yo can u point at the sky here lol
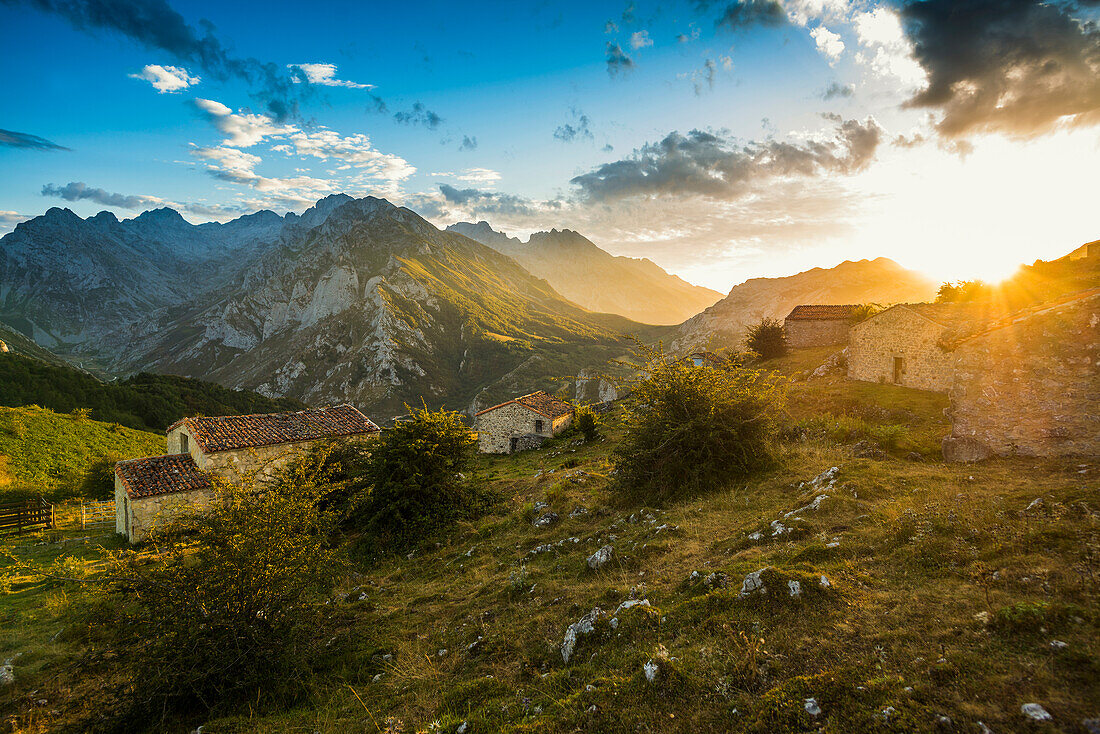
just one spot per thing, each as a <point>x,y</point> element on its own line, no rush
<point>723,140</point>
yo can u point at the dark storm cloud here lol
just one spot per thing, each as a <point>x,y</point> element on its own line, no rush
<point>1019,67</point>
<point>418,115</point>
<point>78,191</point>
<point>155,25</point>
<point>26,140</point>
<point>703,163</point>
<point>617,60</point>
<point>748,13</point>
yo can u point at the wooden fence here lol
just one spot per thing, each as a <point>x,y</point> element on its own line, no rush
<point>30,514</point>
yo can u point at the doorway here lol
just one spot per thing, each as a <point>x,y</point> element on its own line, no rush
<point>899,369</point>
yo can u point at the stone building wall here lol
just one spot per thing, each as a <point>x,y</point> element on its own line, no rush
<point>496,428</point>
<point>135,517</point>
<point>803,333</point>
<point>1032,387</point>
<point>263,462</point>
<point>898,332</point>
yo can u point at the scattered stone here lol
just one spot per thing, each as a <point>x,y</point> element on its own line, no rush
<point>546,519</point>
<point>1092,726</point>
<point>824,582</point>
<point>7,673</point>
<point>833,544</point>
<point>1036,504</point>
<point>442,652</point>
<point>824,480</point>
<point>579,511</point>
<point>794,588</point>
<point>716,580</point>
<point>1035,712</point>
<point>630,604</point>
<point>810,704</point>
<point>983,729</point>
<point>944,722</point>
<point>868,450</point>
<point>473,646</point>
<point>753,583</point>
<point>914,456</point>
<point>836,362</point>
<point>462,728</point>
<point>1058,645</point>
<point>600,557</point>
<point>586,625</point>
<point>376,678</point>
<point>650,669</point>
<point>540,506</point>
<point>756,536</point>
<point>982,617</point>
<point>779,528</point>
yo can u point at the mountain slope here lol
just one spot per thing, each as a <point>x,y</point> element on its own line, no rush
<point>636,288</point>
<point>377,306</point>
<point>864,281</point>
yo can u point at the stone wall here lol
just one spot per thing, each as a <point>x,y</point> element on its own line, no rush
<point>496,428</point>
<point>899,332</point>
<point>261,462</point>
<point>1033,387</point>
<point>135,517</point>
<point>803,333</point>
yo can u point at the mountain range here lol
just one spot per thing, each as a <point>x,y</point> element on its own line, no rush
<point>575,267</point>
<point>361,300</point>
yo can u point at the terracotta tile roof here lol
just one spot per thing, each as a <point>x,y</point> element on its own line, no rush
<point>541,402</point>
<point>155,475</point>
<point>815,312</point>
<point>228,432</point>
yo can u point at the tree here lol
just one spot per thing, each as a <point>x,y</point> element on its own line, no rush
<point>963,291</point>
<point>766,339</point>
<point>417,477</point>
<point>230,611</point>
<point>586,424</point>
<point>694,429</point>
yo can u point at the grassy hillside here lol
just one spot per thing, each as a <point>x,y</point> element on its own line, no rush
<point>42,451</point>
<point>145,401</point>
<point>930,597</point>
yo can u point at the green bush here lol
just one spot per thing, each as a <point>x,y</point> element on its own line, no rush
<point>766,339</point>
<point>693,429</point>
<point>586,425</point>
<point>416,476</point>
<point>230,612</point>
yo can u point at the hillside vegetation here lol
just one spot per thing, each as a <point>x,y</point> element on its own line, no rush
<point>145,401</point>
<point>858,585</point>
<point>42,452</point>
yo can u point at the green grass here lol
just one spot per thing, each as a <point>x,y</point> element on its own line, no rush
<point>46,452</point>
<point>945,594</point>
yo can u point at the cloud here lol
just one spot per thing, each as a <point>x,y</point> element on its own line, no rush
<point>9,219</point>
<point>747,13</point>
<point>419,115</point>
<point>640,39</point>
<point>1017,67</point>
<point>166,79</point>
<point>353,151</point>
<point>479,175</point>
<point>243,130</point>
<point>609,27</point>
<point>685,37</point>
<point>837,90</point>
<point>703,79</point>
<point>325,76</point>
<point>720,167</point>
<point>886,49</point>
<point>155,25</point>
<point>576,130</point>
<point>468,143</point>
<point>828,43</point>
<point>488,202</point>
<point>13,139</point>
<point>617,60</point>
<point>79,191</point>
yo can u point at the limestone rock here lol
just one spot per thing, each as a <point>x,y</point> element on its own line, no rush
<point>586,625</point>
<point>1035,712</point>
<point>600,558</point>
<point>546,519</point>
<point>753,583</point>
<point>964,449</point>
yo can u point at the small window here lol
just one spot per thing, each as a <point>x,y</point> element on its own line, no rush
<point>184,446</point>
<point>538,426</point>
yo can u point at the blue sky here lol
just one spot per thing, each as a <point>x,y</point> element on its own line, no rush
<point>580,115</point>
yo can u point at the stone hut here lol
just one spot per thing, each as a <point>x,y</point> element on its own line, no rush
<point>903,345</point>
<point>818,326</point>
<point>1029,384</point>
<point>233,447</point>
<point>521,423</point>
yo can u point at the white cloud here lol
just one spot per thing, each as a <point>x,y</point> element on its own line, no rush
<point>325,75</point>
<point>355,151</point>
<point>801,12</point>
<point>640,39</point>
<point>9,219</point>
<point>166,79</point>
<point>828,43</point>
<point>887,50</point>
<point>479,175</point>
<point>242,130</point>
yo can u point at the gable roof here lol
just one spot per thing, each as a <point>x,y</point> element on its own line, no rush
<point>229,432</point>
<point>541,402</point>
<point>816,312</point>
<point>155,475</point>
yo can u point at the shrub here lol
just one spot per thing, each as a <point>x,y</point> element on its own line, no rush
<point>230,611</point>
<point>586,425</point>
<point>98,481</point>
<point>766,339</point>
<point>416,475</point>
<point>691,429</point>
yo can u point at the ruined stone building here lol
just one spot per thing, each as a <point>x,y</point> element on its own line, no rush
<point>818,326</point>
<point>234,447</point>
<point>1028,384</point>
<point>903,345</point>
<point>521,423</point>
